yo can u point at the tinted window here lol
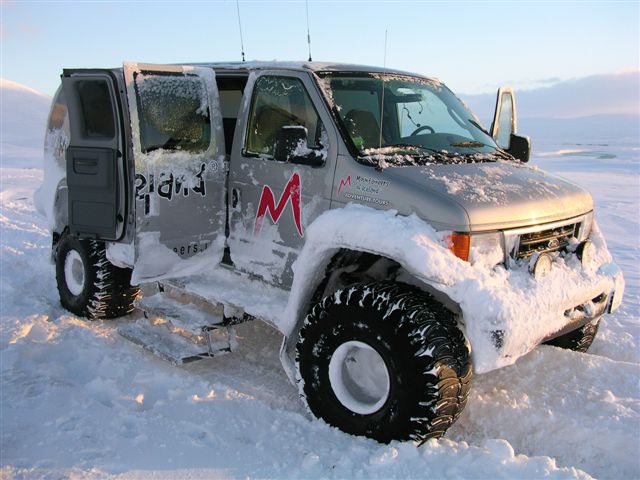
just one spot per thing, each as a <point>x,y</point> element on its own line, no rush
<point>97,110</point>
<point>173,112</point>
<point>280,102</point>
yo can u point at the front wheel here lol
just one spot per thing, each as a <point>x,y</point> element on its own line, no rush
<point>89,285</point>
<point>384,360</point>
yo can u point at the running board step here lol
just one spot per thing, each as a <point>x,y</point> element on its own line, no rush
<point>188,317</point>
<point>179,326</point>
<point>162,339</point>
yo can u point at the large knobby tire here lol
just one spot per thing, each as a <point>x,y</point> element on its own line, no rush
<point>384,360</point>
<point>89,285</point>
<point>578,340</point>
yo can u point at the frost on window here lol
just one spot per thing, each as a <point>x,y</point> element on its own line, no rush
<point>173,113</point>
<point>281,102</point>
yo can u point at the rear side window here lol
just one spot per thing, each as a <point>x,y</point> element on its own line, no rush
<point>279,102</point>
<point>97,110</point>
<point>173,111</point>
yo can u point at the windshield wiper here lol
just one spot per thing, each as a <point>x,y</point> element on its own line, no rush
<point>478,126</point>
<point>410,146</point>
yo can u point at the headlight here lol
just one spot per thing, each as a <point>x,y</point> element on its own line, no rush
<point>486,249</point>
<point>585,227</point>
<point>482,248</point>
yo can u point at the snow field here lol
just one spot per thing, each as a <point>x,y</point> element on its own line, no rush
<point>77,400</point>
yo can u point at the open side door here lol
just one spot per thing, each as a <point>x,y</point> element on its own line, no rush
<point>178,151</point>
<point>95,170</point>
<point>504,118</point>
<point>505,124</point>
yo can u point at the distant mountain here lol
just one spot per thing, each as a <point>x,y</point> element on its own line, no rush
<point>23,117</point>
<point>615,93</point>
<point>599,108</point>
<point>591,129</point>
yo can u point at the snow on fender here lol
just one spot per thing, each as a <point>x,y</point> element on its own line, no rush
<point>505,312</point>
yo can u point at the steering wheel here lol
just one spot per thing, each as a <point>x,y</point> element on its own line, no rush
<point>423,127</point>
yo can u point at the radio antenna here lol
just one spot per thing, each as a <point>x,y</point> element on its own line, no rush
<point>308,32</point>
<point>384,64</point>
<point>240,27</point>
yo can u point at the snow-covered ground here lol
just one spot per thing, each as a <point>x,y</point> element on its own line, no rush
<point>77,400</point>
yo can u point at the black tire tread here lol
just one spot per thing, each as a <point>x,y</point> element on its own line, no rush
<point>432,340</point>
<point>108,291</point>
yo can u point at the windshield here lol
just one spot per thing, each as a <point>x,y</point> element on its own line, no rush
<point>420,118</point>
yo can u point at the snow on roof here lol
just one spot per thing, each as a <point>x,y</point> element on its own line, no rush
<point>303,65</point>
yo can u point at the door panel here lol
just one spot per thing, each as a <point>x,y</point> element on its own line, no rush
<point>91,175</point>
<point>94,159</point>
<point>178,150</point>
<point>271,200</point>
<point>504,120</point>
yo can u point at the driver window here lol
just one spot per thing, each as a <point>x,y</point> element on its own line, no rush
<point>280,102</point>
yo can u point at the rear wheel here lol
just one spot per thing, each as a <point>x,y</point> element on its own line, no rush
<point>578,340</point>
<point>384,360</point>
<point>89,285</point>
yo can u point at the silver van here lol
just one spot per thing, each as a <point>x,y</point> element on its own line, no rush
<point>363,212</point>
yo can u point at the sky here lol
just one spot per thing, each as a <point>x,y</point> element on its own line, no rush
<point>472,46</point>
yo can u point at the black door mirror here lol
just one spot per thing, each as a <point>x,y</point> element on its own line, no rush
<point>505,126</point>
<point>291,146</point>
<point>520,147</point>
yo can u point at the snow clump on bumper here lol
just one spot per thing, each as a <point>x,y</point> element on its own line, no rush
<point>505,312</point>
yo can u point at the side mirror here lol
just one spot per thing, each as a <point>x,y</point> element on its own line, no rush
<point>504,123</point>
<point>291,146</point>
<point>520,147</point>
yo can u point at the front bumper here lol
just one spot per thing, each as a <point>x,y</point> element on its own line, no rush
<point>508,313</point>
<point>590,310</point>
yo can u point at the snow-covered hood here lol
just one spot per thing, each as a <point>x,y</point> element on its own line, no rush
<point>497,195</point>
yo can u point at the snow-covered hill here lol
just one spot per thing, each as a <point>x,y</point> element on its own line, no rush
<point>23,115</point>
<point>77,400</point>
<point>605,94</point>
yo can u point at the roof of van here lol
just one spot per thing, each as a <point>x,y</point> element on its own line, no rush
<point>312,66</point>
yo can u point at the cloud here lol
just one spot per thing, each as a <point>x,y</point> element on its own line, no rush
<point>612,93</point>
<point>29,30</point>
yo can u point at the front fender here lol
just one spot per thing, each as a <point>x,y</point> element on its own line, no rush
<point>505,313</point>
<point>411,242</point>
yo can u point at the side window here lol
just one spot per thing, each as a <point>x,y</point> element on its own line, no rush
<point>173,111</point>
<point>280,102</point>
<point>97,111</point>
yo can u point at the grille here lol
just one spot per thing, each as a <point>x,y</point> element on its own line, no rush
<point>549,240</point>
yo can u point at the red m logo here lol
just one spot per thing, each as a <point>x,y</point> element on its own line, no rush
<point>267,204</point>
<point>344,182</point>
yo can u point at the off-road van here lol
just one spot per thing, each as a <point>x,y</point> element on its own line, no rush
<point>364,212</point>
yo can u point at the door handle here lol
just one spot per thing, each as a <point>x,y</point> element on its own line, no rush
<point>235,198</point>
<point>85,165</point>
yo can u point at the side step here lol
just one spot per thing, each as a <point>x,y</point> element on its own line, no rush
<point>175,348</point>
<point>178,327</point>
